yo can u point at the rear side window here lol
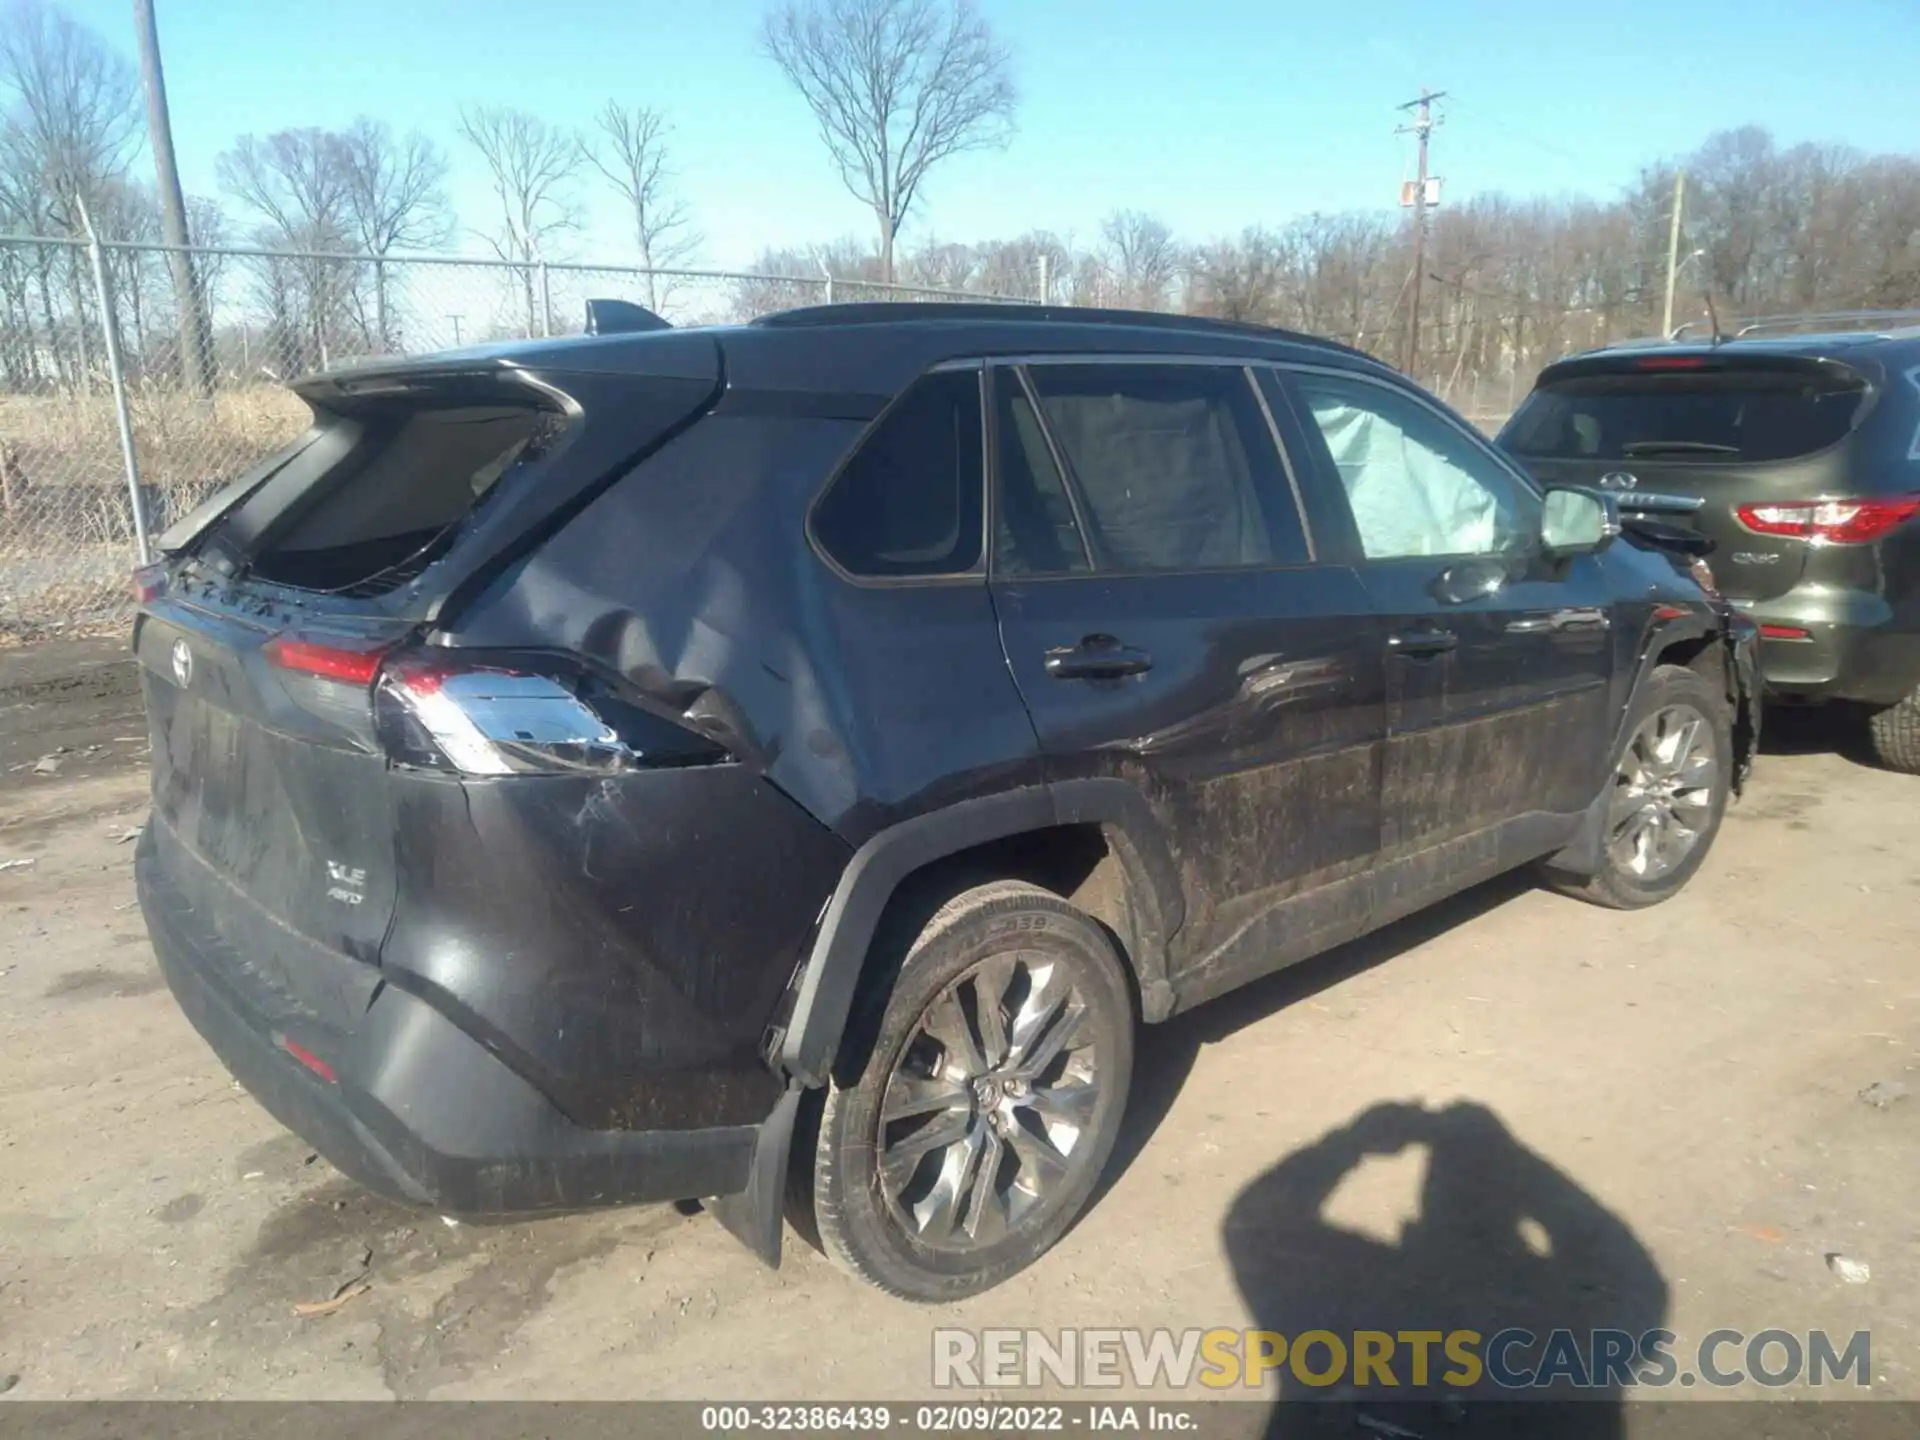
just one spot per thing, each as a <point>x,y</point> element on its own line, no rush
<point>1720,416</point>
<point>1173,465</point>
<point>1035,532</point>
<point>911,500</point>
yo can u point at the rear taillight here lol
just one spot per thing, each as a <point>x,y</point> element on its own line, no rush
<point>1830,522</point>
<point>149,583</point>
<point>479,719</point>
<point>1785,632</point>
<point>327,660</point>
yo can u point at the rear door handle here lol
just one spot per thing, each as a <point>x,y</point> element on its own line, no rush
<point>1419,644</point>
<point>1097,657</point>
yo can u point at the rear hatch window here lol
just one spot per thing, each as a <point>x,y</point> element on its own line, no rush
<point>1754,416</point>
<point>398,493</point>
<point>377,490</point>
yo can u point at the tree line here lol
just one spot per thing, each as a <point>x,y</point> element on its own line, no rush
<point>896,88</point>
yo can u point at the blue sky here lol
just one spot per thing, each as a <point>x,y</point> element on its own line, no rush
<point>1212,114</point>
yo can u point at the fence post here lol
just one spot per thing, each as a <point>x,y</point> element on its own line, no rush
<point>117,373</point>
<point>829,277</point>
<point>546,302</point>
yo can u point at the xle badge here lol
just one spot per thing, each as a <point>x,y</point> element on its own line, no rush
<point>347,885</point>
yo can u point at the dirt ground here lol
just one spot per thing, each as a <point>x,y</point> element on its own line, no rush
<point>1672,1096</point>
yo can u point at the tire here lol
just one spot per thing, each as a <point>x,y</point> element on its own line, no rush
<point>1895,732</point>
<point>912,1216</point>
<point>1637,869</point>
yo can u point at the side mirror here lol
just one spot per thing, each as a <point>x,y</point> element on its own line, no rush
<point>1578,522</point>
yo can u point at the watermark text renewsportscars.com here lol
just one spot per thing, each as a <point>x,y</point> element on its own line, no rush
<point>1388,1360</point>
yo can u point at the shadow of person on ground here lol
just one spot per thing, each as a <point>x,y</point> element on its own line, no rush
<point>1502,1240</point>
<point>1165,1053</point>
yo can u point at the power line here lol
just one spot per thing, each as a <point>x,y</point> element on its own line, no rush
<point>1474,112</point>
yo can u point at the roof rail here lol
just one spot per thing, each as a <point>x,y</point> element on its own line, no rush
<point>893,312</point>
<point>1851,322</point>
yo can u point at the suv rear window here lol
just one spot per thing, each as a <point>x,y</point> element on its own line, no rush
<point>1719,416</point>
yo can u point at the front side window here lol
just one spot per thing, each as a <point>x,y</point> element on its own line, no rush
<point>1416,484</point>
<point>1174,467</point>
<point>909,502</point>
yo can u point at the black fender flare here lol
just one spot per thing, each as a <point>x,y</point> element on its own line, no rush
<point>1581,855</point>
<point>829,976</point>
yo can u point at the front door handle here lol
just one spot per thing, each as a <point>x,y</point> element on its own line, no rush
<point>1097,657</point>
<point>1419,644</point>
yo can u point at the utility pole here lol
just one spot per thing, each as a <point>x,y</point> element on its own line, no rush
<point>1673,248</point>
<point>196,335</point>
<point>1422,127</point>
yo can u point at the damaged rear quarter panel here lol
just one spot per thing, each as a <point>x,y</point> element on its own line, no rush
<point>847,707</point>
<point>693,580</point>
<point>621,940</point>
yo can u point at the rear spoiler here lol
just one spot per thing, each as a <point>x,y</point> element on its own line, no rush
<point>1674,360</point>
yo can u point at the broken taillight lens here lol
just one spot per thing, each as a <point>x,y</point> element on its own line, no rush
<point>489,719</point>
<point>1830,522</point>
<point>149,582</point>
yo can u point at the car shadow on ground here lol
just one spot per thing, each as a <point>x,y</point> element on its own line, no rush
<point>1165,1053</point>
<point>1503,1238</point>
<point>1817,730</point>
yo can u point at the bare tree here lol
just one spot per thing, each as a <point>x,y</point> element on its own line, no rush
<point>896,86</point>
<point>395,200</point>
<point>533,165</point>
<point>73,126</point>
<point>296,182</point>
<point>1142,258</point>
<point>75,105</point>
<point>631,151</point>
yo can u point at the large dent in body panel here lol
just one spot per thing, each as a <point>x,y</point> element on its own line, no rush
<point>682,580</point>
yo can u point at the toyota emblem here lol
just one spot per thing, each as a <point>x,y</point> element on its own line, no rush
<point>1618,480</point>
<point>182,664</point>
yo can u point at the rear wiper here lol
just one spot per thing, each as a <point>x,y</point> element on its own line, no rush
<point>1678,447</point>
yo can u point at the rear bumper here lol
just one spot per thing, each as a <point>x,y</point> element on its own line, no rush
<point>1858,648</point>
<point>418,1110</point>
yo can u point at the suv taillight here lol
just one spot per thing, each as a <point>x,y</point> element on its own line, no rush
<point>1830,522</point>
<point>473,718</point>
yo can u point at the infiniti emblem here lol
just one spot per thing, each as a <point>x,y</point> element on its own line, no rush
<point>182,663</point>
<point>1618,480</point>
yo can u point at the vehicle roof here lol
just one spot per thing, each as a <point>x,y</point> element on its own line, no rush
<point>1896,341</point>
<point>873,348</point>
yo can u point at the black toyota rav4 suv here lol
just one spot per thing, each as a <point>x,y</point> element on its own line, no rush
<point>1800,436</point>
<point>581,767</point>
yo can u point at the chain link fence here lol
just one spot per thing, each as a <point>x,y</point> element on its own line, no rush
<point>138,370</point>
<point>106,375</point>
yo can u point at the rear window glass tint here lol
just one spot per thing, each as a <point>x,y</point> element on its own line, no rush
<point>910,501</point>
<point>1034,529</point>
<point>1175,467</point>
<point>1719,417</point>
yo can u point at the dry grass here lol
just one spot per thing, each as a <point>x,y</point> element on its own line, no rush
<point>66,521</point>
